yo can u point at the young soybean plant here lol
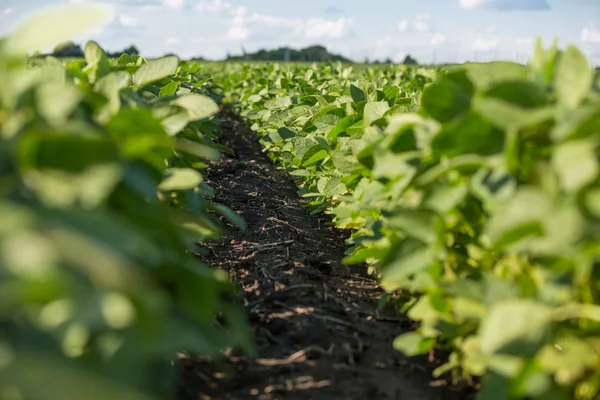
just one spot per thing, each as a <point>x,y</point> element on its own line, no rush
<point>101,201</point>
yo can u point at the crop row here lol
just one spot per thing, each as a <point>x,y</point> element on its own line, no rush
<point>102,204</point>
<point>472,192</point>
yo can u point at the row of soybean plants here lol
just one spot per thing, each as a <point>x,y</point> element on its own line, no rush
<point>473,192</point>
<point>102,204</point>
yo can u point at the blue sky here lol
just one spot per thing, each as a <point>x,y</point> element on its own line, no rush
<point>430,30</point>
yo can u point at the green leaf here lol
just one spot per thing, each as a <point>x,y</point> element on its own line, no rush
<point>56,25</point>
<point>509,116</point>
<point>198,106</point>
<point>110,86</point>
<point>471,135</point>
<point>445,100</point>
<point>412,344</point>
<point>576,164</point>
<point>487,75</point>
<point>582,122</point>
<point>169,89</point>
<point>357,94</point>
<point>155,70</point>
<point>533,222</point>
<point>407,258</point>
<point>424,225</point>
<point>311,158</point>
<point>334,187</point>
<point>97,60</point>
<point>544,61</point>
<point>374,110</point>
<point>65,152</point>
<point>573,79</point>
<point>175,123</point>
<point>180,179</point>
<point>342,124</point>
<point>516,327</point>
<point>199,150</point>
<point>286,133</point>
<point>57,109</point>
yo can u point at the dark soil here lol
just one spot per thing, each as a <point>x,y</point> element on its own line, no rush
<point>318,331</point>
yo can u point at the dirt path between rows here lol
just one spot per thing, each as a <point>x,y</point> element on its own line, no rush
<point>318,331</point>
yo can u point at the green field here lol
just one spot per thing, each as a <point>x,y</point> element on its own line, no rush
<point>471,193</point>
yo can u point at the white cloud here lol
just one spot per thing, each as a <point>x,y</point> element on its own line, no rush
<point>176,4</point>
<point>5,11</point>
<point>126,20</point>
<point>172,40</point>
<point>438,38</point>
<point>482,44</point>
<point>505,5</point>
<point>419,23</point>
<point>237,33</point>
<point>243,25</point>
<point>590,35</point>
<point>221,6</point>
<point>316,28</point>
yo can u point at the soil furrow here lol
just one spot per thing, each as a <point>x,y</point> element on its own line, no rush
<point>318,330</point>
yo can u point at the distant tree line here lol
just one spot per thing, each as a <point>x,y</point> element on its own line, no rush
<point>73,50</point>
<point>308,54</point>
<point>408,60</point>
<point>315,53</point>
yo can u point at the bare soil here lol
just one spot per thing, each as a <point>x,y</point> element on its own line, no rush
<point>318,330</point>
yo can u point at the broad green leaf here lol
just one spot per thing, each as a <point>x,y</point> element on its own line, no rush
<point>110,86</point>
<point>342,124</point>
<point>155,70</point>
<point>334,187</point>
<point>445,100</point>
<point>582,122</point>
<point>531,221</point>
<point>180,179</point>
<point>412,344</point>
<point>65,152</point>
<point>424,225</point>
<point>169,89</point>
<point>357,94</point>
<point>375,110</point>
<point>286,133</point>
<point>544,61</point>
<point>407,258</point>
<point>97,61</point>
<point>517,327</point>
<point>57,109</point>
<point>486,75</point>
<point>313,156</point>
<point>471,135</point>
<point>576,164</point>
<point>199,150</point>
<point>56,25</point>
<point>509,116</point>
<point>198,106</point>
<point>573,78</point>
<point>175,123</point>
<point>326,123</point>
